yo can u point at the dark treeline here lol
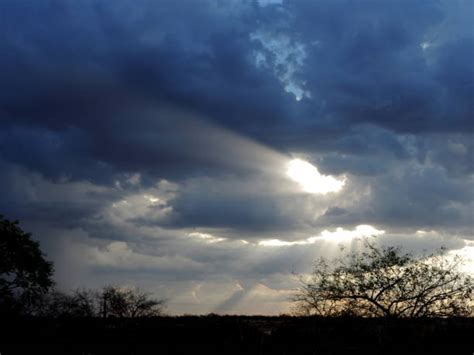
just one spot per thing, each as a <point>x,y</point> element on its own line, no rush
<point>27,286</point>
<point>341,316</point>
<point>236,335</point>
<point>110,301</point>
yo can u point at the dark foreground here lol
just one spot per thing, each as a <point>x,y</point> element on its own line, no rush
<point>236,335</point>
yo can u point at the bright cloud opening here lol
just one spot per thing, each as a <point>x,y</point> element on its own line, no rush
<point>343,235</point>
<point>425,45</point>
<point>340,235</point>
<point>467,255</point>
<point>308,176</point>
<point>208,238</point>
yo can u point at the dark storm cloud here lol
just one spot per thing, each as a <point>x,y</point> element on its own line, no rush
<point>369,64</point>
<point>94,65</point>
<point>78,74</point>
<point>403,199</point>
<point>245,213</point>
<point>30,197</point>
<point>455,153</point>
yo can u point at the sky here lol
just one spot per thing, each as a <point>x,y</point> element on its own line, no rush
<point>209,151</point>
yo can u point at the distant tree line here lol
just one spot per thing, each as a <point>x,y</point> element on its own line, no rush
<point>378,282</point>
<point>110,301</point>
<point>27,287</point>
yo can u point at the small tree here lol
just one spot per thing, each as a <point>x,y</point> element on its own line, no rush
<point>383,282</point>
<point>25,275</point>
<point>128,303</point>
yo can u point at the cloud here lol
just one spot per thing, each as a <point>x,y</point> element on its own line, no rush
<point>119,256</point>
<point>311,180</point>
<point>148,142</point>
<point>337,236</point>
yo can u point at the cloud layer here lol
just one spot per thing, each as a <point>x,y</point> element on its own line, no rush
<point>148,142</point>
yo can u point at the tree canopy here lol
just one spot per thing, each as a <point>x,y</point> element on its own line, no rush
<point>25,274</point>
<point>108,302</point>
<point>384,282</point>
<point>128,303</point>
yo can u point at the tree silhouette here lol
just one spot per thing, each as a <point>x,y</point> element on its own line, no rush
<point>383,282</point>
<point>108,302</point>
<point>25,275</point>
<point>79,304</point>
<point>128,303</point>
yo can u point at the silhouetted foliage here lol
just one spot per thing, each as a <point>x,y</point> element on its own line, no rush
<point>383,282</point>
<point>80,304</point>
<point>25,274</point>
<point>128,303</point>
<point>108,302</point>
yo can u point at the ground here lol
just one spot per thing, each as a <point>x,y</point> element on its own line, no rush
<point>238,335</point>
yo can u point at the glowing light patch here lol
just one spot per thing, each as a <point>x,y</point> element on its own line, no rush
<point>152,199</point>
<point>308,176</point>
<point>209,238</point>
<point>279,243</point>
<point>342,235</point>
<point>425,45</point>
<point>338,236</point>
<point>467,254</point>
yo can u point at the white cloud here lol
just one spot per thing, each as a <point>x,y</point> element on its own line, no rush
<point>288,59</point>
<point>425,45</point>
<point>308,176</point>
<point>467,255</point>
<point>208,238</point>
<point>337,236</point>
<point>151,204</point>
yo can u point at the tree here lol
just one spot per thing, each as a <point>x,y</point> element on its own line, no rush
<point>25,274</point>
<point>109,302</point>
<point>79,304</point>
<point>128,303</point>
<point>383,282</point>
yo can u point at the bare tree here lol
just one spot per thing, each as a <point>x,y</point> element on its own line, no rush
<point>79,304</point>
<point>383,282</point>
<point>128,303</point>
